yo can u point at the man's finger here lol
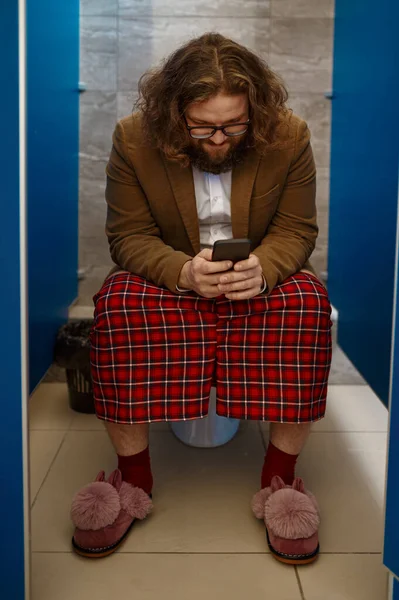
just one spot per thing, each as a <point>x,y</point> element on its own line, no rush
<point>245,295</point>
<point>249,263</point>
<point>233,277</point>
<point>213,267</point>
<point>205,253</point>
<point>245,284</point>
<point>217,266</point>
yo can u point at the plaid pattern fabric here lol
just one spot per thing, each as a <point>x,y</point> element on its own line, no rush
<point>155,354</point>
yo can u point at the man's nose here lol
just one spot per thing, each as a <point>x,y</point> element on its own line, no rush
<point>219,137</point>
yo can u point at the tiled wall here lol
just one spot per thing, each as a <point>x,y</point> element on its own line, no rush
<point>119,40</point>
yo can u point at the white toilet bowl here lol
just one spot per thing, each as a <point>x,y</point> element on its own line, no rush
<point>207,432</point>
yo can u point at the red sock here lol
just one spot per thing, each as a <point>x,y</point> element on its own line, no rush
<point>279,463</point>
<point>136,469</point>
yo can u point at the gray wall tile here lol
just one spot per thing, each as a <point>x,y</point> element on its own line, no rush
<point>316,111</point>
<point>301,51</point>
<point>90,285</point>
<point>302,8</point>
<point>98,119</point>
<point>211,8</point>
<point>98,7</point>
<point>125,103</point>
<point>323,186</point>
<point>92,168</point>
<point>94,250</point>
<point>92,207</point>
<point>145,42</point>
<point>320,254</point>
<point>98,52</point>
<point>300,46</point>
<point>319,257</point>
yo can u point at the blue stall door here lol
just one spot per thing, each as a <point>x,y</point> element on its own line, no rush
<point>53,145</point>
<point>364,183</point>
<point>14,503</point>
<point>391,553</point>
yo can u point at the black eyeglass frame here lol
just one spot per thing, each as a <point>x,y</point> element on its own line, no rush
<point>216,128</point>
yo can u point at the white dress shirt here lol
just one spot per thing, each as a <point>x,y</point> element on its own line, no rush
<point>212,195</point>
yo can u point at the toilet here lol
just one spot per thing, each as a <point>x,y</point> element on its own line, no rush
<point>208,432</point>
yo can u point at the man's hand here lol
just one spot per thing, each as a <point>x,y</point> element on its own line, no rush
<point>202,275</point>
<point>244,282</point>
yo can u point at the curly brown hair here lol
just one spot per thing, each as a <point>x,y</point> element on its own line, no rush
<point>197,71</point>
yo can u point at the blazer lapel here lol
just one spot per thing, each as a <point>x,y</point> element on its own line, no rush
<point>243,179</point>
<point>182,182</point>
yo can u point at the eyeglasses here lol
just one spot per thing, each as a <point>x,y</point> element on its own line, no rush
<point>203,132</point>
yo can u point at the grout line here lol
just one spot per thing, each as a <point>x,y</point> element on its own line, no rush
<point>299,584</point>
<point>71,427</point>
<point>351,553</point>
<point>335,431</point>
<point>144,17</point>
<point>349,431</point>
<point>266,553</point>
<point>117,59</point>
<point>49,429</point>
<point>48,471</point>
<point>262,437</point>
<point>358,384</point>
<point>269,46</point>
<point>74,428</point>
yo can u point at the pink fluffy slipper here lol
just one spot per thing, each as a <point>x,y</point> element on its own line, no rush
<point>292,520</point>
<point>104,512</point>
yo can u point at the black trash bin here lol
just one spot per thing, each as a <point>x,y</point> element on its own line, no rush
<point>72,351</point>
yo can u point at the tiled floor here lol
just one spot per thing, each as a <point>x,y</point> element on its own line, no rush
<point>202,540</point>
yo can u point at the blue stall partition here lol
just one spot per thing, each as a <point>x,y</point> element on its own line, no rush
<point>53,146</point>
<point>14,498</point>
<point>391,553</point>
<point>364,183</point>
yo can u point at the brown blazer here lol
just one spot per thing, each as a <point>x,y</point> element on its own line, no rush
<point>152,223</point>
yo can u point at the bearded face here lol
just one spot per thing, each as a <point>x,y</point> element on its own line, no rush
<point>219,153</point>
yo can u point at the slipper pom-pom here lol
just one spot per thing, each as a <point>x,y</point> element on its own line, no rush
<point>291,515</point>
<point>259,501</point>
<point>95,506</point>
<point>135,501</point>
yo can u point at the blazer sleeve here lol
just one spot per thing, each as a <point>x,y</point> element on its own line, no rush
<point>133,235</point>
<point>291,236</point>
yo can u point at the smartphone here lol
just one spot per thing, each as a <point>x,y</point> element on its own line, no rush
<point>234,249</point>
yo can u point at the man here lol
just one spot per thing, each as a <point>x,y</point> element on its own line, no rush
<point>210,153</point>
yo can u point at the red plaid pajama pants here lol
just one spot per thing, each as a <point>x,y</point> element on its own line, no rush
<point>155,354</point>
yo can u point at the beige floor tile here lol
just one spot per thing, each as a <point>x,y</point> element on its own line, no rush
<point>49,408</point>
<point>43,446</point>
<point>353,408</point>
<point>368,453</point>
<point>82,456</point>
<point>350,408</point>
<point>352,521</point>
<point>170,577</point>
<point>346,472</point>
<point>342,369</point>
<point>83,422</point>
<point>81,312</point>
<point>345,577</point>
<point>202,496</point>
